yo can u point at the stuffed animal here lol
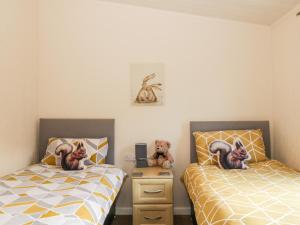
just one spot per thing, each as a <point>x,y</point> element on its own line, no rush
<point>162,156</point>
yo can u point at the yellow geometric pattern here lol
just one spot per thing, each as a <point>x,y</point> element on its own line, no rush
<point>251,139</point>
<point>45,195</point>
<point>96,150</point>
<point>267,193</point>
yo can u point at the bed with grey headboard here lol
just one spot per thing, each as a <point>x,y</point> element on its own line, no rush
<point>79,128</point>
<point>226,125</point>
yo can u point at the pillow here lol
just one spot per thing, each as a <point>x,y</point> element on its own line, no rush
<point>87,151</point>
<point>230,156</point>
<point>251,139</point>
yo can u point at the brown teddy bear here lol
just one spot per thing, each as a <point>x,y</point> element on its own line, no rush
<point>161,157</point>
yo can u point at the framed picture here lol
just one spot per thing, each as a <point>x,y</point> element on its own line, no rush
<point>147,83</point>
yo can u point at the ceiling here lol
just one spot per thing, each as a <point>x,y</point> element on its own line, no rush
<point>254,11</point>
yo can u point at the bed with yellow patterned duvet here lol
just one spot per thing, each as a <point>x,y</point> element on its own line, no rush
<point>266,193</point>
<point>49,195</point>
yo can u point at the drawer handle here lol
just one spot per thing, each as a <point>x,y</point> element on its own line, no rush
<point>153,192</point>
<point>153,218</point>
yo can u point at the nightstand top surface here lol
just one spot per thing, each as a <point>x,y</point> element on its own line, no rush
<point>151,173</point>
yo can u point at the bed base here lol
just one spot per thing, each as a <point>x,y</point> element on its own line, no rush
<point>111,215</point>
<point>193,214</point>
<point>112,212</point>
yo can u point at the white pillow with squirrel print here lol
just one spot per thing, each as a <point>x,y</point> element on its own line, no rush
<point>75,153</point>
<point>230,156</point>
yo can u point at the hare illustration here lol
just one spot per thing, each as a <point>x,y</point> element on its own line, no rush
<point>147,94</point>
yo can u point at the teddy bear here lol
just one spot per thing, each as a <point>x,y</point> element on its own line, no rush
<point>162,156</point>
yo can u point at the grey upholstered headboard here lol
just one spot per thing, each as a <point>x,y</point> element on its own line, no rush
<point>77,128</point>
<point>228,125</point>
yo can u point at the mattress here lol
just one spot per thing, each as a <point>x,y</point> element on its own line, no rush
<point>43,194</point>
<point>267,193</point>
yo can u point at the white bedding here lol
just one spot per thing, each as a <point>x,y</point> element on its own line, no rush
<point>48,195</point>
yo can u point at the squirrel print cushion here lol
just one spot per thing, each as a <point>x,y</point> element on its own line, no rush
<point>252,141</point>
<point>230,156</point>
<point>74,153</point>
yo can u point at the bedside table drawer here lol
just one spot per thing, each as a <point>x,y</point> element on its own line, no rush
<point>152,191</point>
<point>152,214</point>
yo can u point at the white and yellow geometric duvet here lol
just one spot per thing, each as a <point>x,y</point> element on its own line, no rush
<point>41,195</point>
<point>267,193</point>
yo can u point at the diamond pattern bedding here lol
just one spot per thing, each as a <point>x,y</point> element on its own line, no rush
<point>43,195</point>
<point>266,193</point>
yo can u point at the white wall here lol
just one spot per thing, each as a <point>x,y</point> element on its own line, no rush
<point>18,80</point>
<point>286,95</point>
<point>215,70</point>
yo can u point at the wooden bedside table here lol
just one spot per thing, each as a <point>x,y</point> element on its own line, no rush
<point>152,196</point>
